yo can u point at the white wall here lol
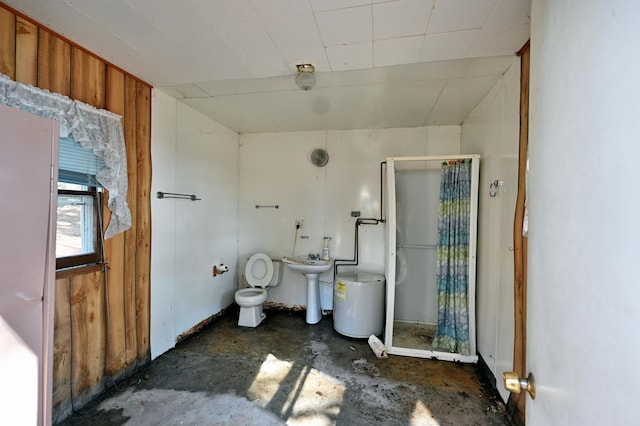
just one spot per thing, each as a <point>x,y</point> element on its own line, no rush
<point>583,291</point>
<point>163,217</point>
<point>275,169</point>
<point>492,130</point>
<point>191,154</point>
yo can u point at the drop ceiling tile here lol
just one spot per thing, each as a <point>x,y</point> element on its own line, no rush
<point>184,91</point>
<point>263,112</point>
<point>202,43</point>
<point>297,106</point>
<point>509,13</point>
<point>352,77</point>
<point>400,18</point>
<point>294,33</point>
<point>499,41</point>
<point>28,5</point>
<point>265,65</point>
<point>456,15</point>
<point>98,13</point>
<point>343,102</point>
<point>316,56</point>
<point>407,105</point>
<point>150,69</point>
<point>215,88</point>
<point>404,50</point>
<point>458,99</point>
<point>345,26</point>
<point>80,29</point>
<point>486,66</point>
<point>169,17</point>
<point>218,88</point>
<point>281,8</point>
<point>117,15</point>
<point>209,68</point>
<point>224,12</point>
<point>226,113</point>
<point>324,5</point>
<point>125,24</point>
<point>350,56</point>
<point>250,42</point>
<point>245,38</point>
<point>449,69</point>
<point>443,46</point>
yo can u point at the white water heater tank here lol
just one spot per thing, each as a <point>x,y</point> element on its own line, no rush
<point>358,304</point>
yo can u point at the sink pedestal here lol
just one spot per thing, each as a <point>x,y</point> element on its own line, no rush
<point>311,268</point>
<point>314,314</point>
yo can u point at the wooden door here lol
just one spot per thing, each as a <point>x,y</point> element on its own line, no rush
<point>517,401</point>
<point>28,175</point>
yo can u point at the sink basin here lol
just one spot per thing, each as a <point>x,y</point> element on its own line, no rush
<point>308,266</point>
<point>311,268</point>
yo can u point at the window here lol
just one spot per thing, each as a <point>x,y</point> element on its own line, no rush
<point>77,238</point>
<point>79,224</point>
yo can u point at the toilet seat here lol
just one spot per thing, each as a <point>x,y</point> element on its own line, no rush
<point>251,296</point>
<point>263,281</point>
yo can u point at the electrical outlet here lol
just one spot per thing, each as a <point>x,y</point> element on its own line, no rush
<point>299,223</point>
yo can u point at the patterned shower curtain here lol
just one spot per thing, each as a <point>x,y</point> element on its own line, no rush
<point>452,270</point>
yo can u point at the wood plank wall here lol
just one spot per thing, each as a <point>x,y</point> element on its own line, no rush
<point>101,317</point>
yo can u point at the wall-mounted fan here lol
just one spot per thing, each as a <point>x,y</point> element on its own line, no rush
<point>319,157</point>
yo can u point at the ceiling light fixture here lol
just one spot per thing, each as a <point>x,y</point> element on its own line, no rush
<point>306,78</point>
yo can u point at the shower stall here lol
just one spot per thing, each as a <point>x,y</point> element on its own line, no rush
<point>415,302</point>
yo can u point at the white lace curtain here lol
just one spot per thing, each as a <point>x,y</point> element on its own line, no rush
<point>98,130</point>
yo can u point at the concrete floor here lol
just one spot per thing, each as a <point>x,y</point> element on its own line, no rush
<point>288,372</point>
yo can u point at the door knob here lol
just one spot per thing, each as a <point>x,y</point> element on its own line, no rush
<point>513,383</point>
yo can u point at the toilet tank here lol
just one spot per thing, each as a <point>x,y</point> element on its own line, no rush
<point>277,273</point>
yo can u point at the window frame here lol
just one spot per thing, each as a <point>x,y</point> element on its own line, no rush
<point>95,257</point>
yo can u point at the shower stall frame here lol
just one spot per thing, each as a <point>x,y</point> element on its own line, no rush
<point>391,261</point>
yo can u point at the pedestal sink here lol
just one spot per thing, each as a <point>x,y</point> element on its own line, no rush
<point>311,268</point>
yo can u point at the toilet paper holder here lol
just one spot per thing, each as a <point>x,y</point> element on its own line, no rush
<point>219,269</point>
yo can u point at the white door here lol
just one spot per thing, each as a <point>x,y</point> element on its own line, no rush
<point>583,329</point>
<point>28,153</point>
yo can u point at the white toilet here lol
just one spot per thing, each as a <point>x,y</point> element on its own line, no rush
<point>261,272</point>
